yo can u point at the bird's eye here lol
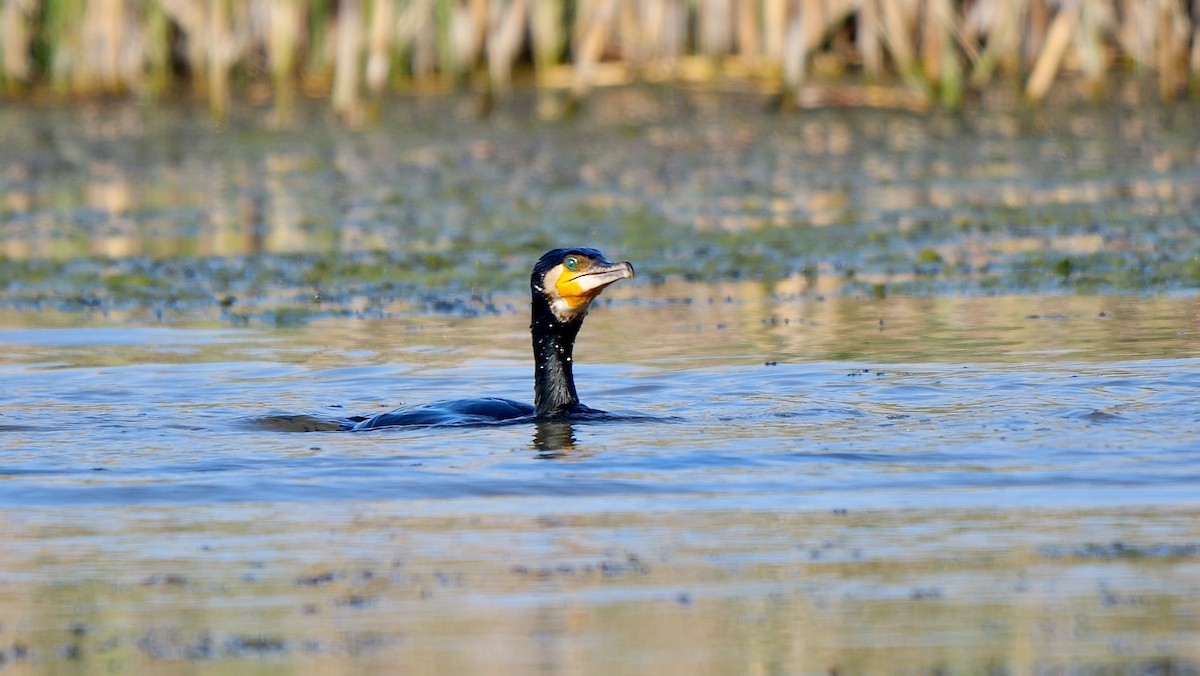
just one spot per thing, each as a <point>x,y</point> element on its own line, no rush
<point>571,263</point>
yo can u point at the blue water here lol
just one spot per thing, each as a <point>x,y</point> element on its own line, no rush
<point>926,484</point>
<point>178,424</point>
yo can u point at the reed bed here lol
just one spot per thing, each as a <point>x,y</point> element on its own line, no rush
<point>892,52</point>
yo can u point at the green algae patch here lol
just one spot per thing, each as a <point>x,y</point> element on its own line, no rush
<point>141,286</point>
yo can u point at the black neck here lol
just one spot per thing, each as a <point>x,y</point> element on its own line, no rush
<point>553,348</point>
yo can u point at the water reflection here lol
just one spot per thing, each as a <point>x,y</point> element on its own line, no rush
<point>154,183</point>
<point>373,587</point>
<point>904,459</point>
<point>917,482</point>
<point>554,438</point>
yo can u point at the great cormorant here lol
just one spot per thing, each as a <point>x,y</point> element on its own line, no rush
<point>562,287</point>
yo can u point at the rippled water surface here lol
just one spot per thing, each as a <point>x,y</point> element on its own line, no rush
<point>929,405</point>
<point>849,483</point>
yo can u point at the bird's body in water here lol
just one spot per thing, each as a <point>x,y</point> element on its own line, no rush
<point>562,287</point>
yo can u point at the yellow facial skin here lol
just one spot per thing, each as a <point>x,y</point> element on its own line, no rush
<point>570,291</point>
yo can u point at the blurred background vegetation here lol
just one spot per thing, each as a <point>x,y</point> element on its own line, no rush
<point>889,53</point>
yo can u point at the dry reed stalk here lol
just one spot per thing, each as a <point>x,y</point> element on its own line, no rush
<point>85,46</point>
<point>546,33</point>
<point>595,24</point>
<point>16,36</point>
<point>424,29</point>
<point>157,57</point>
<point>467,26</point>
<point>88,54</point>
<point>62,20</point>
<point>749,32</point>
<point>1058,38</point>
<point>220,57</point>
<point>804,33</point>
<point>675,32</point>
<point>1172,47</point>
<point>714,27</point>
<point>775,26</point>
<point>190,17</point>
<point>318,47</point>
<point>1035,30</point>
<point>380,39</point>
<point>415,29</point>
<point>898,37</point>
<point>941,60</point>
<point>1195,60</point>
<point>478,10</point>
<point>1131,32</point>
<point>137,58</point>
<point>506,24</point>
<point>84,76</point>
<point>103,37</point>
<point>660,36</point>
<point>868,38</point>
<point>932,41</point>
<point>347,50</point>
<point>283,34</point>
<point>792,58</point>
<point>998,24</point>
<point>816,18</point>
<point>628,38</point>
<point>1095,20</point>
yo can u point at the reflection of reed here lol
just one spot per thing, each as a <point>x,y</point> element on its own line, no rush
<point>936,47</point>
<point>566,590</point>
<point>732,181</point>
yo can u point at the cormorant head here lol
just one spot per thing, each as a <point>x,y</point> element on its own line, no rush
<point>569,279</point>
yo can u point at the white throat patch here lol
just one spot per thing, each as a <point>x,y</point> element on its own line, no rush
<point>564,309</point>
